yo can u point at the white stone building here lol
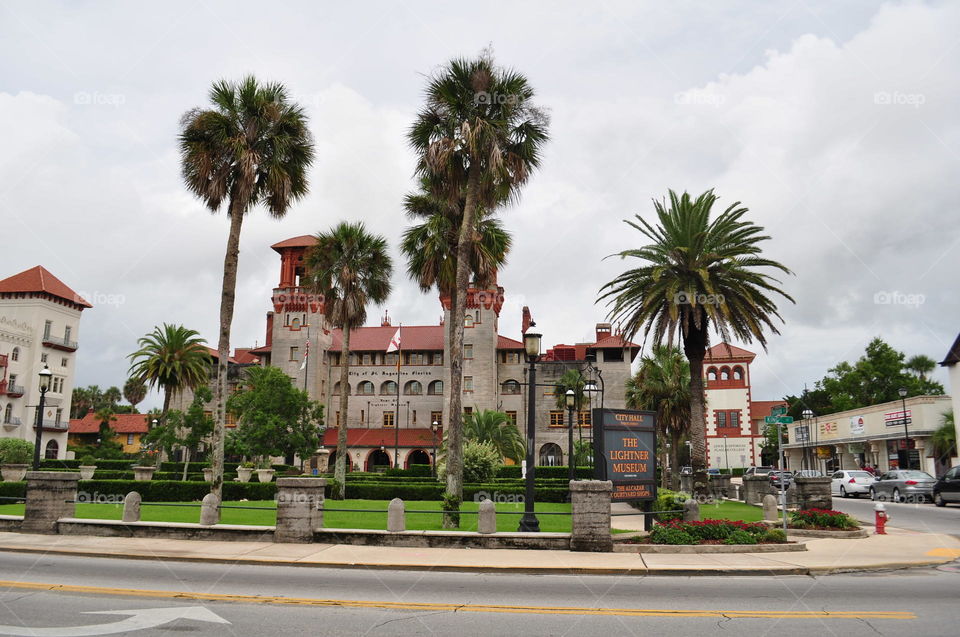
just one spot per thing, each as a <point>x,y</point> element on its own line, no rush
<point>39,326</point>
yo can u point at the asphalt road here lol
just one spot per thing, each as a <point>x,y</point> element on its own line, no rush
<point>269,600</point>
<point>917,517</point>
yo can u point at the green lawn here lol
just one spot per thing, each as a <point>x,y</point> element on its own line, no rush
<point>728,510</point>
<point>332,518</point>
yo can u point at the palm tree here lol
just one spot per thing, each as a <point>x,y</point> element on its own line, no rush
<point>172,357</point>
<point>478,138</point>
<point>134,390</point>
<point>697,274</point>
<point>921,365</point>
<point>112,395</point>
<point>662,384</point>
<point>496,428</point>
<point>351,268</point>
<point>253,147</point>
<point>944,439</point>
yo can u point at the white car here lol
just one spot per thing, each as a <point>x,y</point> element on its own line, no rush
<point>844,483</point>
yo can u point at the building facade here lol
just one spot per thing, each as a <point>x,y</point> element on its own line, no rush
<point>128,429</point>
<point>39,327</point>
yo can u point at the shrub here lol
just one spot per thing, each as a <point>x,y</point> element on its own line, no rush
<point>558,473</point>
<point>739,536</point>
<point>15,451</point>
<point>671,535</point>
<point>775,535</point>
<point>717,529</point>
<point>87,461</point>
<point>480,461</point>
<point>822,518</point>
<point>668,500</point>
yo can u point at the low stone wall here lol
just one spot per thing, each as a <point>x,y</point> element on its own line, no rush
<point>813,493</point>
<point>444,539</point>
<point>707,549</point>
<point>754,488</point>
<point>166,530</point>
<point>10,523</point>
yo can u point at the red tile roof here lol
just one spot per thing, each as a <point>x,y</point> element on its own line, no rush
<point>761,408</point>
<point>359,437</point>
<point>122,424</point>
<point>613,341</point>
<point>245,356</point>
<point>39,279</point>
<point>508,343</point>
<point>725,351</point>
<point>376,339</point>
<point>303,241</point>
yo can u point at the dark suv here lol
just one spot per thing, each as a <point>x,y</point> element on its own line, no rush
<point>947,488</point>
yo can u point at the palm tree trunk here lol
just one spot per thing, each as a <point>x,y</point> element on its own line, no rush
<point>457,315</point>
<point>343,455</point>
<point>675,459</point>
<point>698,423</point>
<point>238,205</point>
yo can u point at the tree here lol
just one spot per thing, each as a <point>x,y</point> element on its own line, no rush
<point>253,147</point>
<point>662,384</point>
<point>351,268</point>
<point>477,138</point>
<point>274,417</point>
<point>112,396</point>
<point>134,390</point>
<point>172,357</point>
<point>193,426</point>
<point>495,428</point>
<point>697,275</point>
<point>107,446</point>
<point>921,365</point>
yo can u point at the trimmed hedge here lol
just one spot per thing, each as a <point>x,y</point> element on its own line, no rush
<point>513,471</point>
<point>12,490</point>
<point>176,491</point>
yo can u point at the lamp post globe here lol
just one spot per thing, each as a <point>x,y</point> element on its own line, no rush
<point>45,375</point>
<point>531,346</point>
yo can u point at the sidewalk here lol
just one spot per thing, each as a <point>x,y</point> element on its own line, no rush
<point>899,549</point>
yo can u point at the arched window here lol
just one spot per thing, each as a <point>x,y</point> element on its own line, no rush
<point>724,373</point>
<point>15,354</point>
<point>435,388</point>
<point>8,413</point>
<point>53,448</point>
<point>413,388</point>
<point>388,388</point>
<point>712,373</point>
<point>550,455</point>
<point>365,388</point>
<point>510,387</point>
<point>336,389</point>
<point>295,324</point>
<point>737,373</point>
<point>468,321</point>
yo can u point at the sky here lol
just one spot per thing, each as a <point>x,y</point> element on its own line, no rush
<point>834,123</point>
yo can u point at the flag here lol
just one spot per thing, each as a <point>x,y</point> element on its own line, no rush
<point>306,353</point>
<point>394,342</point>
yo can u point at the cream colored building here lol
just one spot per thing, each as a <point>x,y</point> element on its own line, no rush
<point>873,436</point>
<point>952,363</point>
<point>39,326</point>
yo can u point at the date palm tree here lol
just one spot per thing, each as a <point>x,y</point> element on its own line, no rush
<point>662,384</point>
<point>134,390</point>
<point>698,274</point>
<point>253,147</point>
<point>478,137</point>
<point>495,427</point>
<point>172,357</point>
<point>351,268</point>
<point>921,365</point>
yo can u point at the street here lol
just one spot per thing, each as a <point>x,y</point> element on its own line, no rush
<point>225,599</point>
<point>916,517</point>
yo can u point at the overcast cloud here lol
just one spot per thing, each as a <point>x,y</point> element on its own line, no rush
<point>835,123</point>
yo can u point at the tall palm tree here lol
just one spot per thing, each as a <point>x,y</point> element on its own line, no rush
<point>944,439</point>
<point>253,147</point>
<point>351,268</point>
<point>921,365</point>
<point>112,395</point>
<point>662,384</point>
<point>478,138</point>
<point>134,390</point>
<point>172,357</point>
<point>697,274</point>
<point>496,428</point>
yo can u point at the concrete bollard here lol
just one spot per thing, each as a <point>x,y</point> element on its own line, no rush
<point>210,510</point>
<point>691,511</point>
<point>487,517</point>
<point>51,495</point>
<point>770,507</point>
<point>131,507</point>
<point>396,516</point>
<point>299,508</point>
<point>590,524</point>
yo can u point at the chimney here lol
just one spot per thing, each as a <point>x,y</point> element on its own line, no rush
<point>527,319</point>
<point>269,341</point>
<point>603,331</point>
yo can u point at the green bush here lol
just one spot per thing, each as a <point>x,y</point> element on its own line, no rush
<point>559,473</point>
<point>715,530</point>
<point>740,537</point>
<point>668,500</point>
<point>480,461</point>
<point>15,451</point>
<point>775,535</point>
<point>175,491</point>
<point>671,535</point>
<point>12,490</point>
<point>822,519</point>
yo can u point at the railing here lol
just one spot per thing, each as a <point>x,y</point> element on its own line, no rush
<point>60,343</point>
<point>52,424</point>
<point>14,391</point>
<point>13,421</point>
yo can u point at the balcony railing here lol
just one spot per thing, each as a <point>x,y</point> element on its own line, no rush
<point>12,421</point>
<point>3,360</point>
<point>60,343</point>
<point>53,425</point>
<point>14,391</point>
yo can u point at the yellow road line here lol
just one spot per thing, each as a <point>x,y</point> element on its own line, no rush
<point>462,608</point>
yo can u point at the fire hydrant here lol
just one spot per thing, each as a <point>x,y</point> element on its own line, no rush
<point>880,518</point>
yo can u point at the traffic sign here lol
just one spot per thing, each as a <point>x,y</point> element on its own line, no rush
<point>783,420</point>
<point>786,420</point>
<point>770,420</point>
<point>778,410</point>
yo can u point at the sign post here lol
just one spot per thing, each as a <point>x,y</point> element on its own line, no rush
<point>626,449</point>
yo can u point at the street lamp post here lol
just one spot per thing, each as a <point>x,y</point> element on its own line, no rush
<point>906,429</point>
<point>726,454</point>
<point>571,398</point>
<point>807,415</point>
<point>531,345</point>
<point>45,375</point>
<point>434,427</point>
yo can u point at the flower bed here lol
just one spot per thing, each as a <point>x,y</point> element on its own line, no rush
<point>713,532</point>
<point>822,520</point>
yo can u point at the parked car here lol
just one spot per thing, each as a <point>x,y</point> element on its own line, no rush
<point>808,473</point>
<point>713,472</point>
<point>686,471</point>
<point>903,484</point>
<point>757,471</point>
<point>844,483</point>
<point>947,488</point>
<point>776,476</point>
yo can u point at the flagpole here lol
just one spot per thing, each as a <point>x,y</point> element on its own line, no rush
<point>396,413</point>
